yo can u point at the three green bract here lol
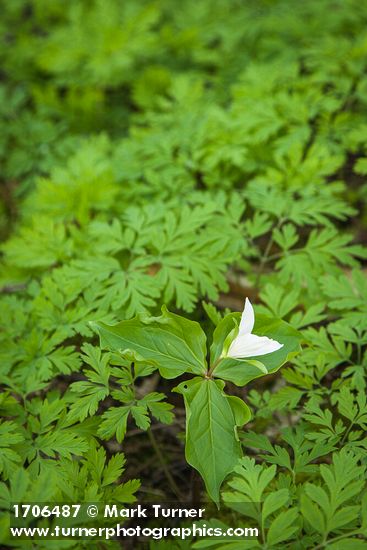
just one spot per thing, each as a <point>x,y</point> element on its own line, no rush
<point>177,346</point>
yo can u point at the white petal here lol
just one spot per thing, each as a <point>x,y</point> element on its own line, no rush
<point>247,319</point>
<point>250,345</point>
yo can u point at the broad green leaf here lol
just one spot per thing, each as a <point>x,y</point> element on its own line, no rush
<point>241,412</point>
<point>212,446</point>
<point>242,371</point>
<point>174,344</point>
<point>223,328</point>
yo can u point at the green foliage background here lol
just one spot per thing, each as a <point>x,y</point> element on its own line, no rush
<point>174,152</point>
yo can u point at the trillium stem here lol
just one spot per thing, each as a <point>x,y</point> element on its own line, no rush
<point>209,374</point>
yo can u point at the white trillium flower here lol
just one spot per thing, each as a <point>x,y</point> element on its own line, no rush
<point>247,344</point>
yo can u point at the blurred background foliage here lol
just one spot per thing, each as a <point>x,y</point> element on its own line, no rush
<point>249,85</point>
